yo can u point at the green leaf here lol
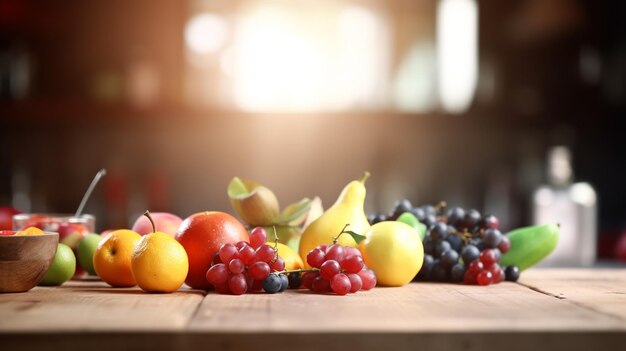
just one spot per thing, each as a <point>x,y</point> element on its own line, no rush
<point>357,237</point>
<point>294,212</point>
<point>237,188</point>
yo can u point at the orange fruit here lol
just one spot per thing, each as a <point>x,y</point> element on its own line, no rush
<point>202,234</point>
<point>159,263</point>
<point>30,231</point>
<point>112,259</point>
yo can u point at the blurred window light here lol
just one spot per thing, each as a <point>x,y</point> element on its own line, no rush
<point>205,33</point>
<point>457,53</point>
<point>296,61</point>
<point>414,86</point>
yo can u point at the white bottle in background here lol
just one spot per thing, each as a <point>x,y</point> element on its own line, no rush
<point>573,206</point>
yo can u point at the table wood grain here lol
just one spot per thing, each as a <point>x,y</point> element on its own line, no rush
<point>549,309</point>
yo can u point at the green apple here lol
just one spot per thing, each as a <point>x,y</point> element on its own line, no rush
<point>85,251</point>
<point>62,268</point>
<point>410,219</point>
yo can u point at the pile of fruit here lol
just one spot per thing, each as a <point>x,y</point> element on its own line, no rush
<point>337,251</point>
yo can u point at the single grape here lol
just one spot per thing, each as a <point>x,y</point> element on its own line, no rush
<point>475,266</point>
<point>228,252</point>
<point>456,216</point>
<point>439,273</point>
<point>277,265</point>
<point>429,210</point>
<point>295,280</point>
<point>320,285</point>
<point>484,278</point>
<point>449,258</point>
<point>265,253</point>
<point>307,279</point>
<point>380,217</point>
<point>329,268</point>
<point>419,213</point>
<point>400,207</point>
<point>236,266</point>
<point>315,258</point>
<point>489,222</point>
<point>272,283</point>
<point>429,245</point>
<point>469,253</point>
<point>216,258</point>
<point>222,288</point>
<point>335,252</point>
<point>258,237</point>
<point>478,242</point>
<point>438,231</point>
<point>441,247</point>
<point>471,219</point>
<point>511,273</point>
<point>259,270</point>
<point>257,285</point>
<point>355,282</point>
<point>217,274</point>
<point>284,282</point>
<point>457,273</point>
<point>505,244</point>
<point>247,255</point>
<point>429,220</point>
<point>488,257</point>
<point>496,271</point>
<point>241,244</point>
<point>427,266</point>
<point>237,284</point>
<point>352,264</point>
<point>368,277</point>
<point>351,251</point>
<point>492,238</point>
<point>469,277</point>
<point>340,284</point>
<point>456,243</point>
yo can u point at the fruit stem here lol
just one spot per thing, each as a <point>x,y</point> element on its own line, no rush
<point>275,244</point>
<point>364,177</point>
<point>301,270</point>
<point>441,205</point>
<point>147,214</point>
<point>335,239</point>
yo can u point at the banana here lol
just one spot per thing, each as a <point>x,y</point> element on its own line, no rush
<point>530,245</point>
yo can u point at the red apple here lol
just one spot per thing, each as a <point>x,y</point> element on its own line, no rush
<point>7,232</point>
<point>164,222</point>
<point>202,234</point>
<point>6,217</point>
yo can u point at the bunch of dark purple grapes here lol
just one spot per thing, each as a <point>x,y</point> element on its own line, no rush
<point>460,245</point>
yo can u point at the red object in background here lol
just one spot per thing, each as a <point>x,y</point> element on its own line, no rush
<point>620,248</point>
<point>6,217</point>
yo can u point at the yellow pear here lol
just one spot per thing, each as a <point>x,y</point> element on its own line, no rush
<point>348,209</point>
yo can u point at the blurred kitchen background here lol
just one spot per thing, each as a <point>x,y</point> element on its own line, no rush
<point>456,100</point>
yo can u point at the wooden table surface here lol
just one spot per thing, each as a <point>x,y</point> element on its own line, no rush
<point>549,309</point>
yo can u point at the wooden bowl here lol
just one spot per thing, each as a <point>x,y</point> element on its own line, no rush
<point>25,260</point>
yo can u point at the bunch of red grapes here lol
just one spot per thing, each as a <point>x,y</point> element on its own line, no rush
<point>247,267</point>
<point>341,270</point>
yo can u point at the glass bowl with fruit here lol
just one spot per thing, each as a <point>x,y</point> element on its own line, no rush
<point>25,257</point>
<point>72,229</point>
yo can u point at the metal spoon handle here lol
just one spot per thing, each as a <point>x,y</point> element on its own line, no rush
<point>95,181</point>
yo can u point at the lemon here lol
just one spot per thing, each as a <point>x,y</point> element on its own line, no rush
<point>291,258</point>
<point>159,263</point>
<point>394,251</point>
